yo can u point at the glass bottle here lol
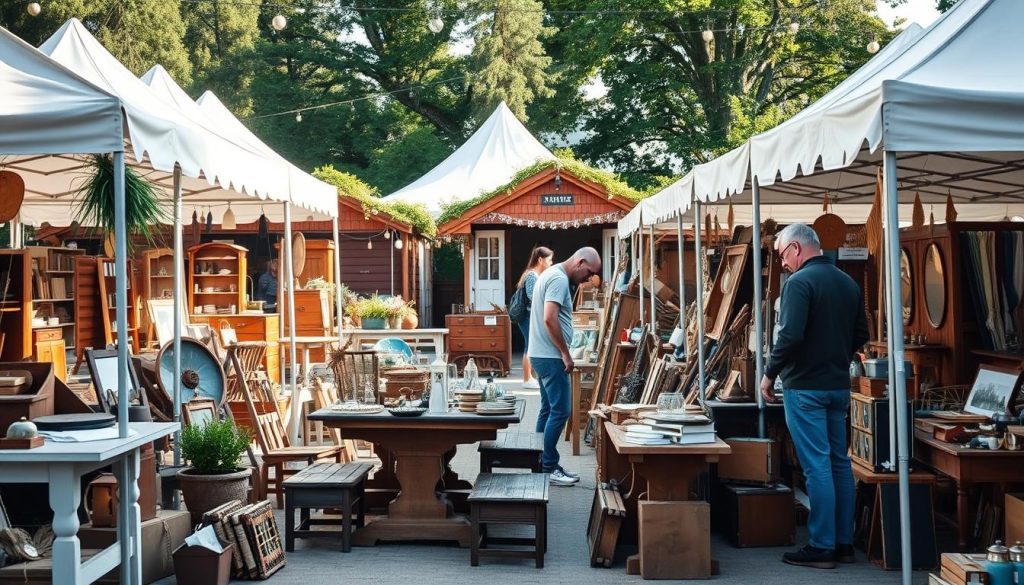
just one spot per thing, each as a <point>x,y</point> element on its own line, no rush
<point>470,374</point>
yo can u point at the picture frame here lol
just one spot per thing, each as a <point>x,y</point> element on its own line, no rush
<point>994,390</point>
<point>728,281</point>
<point>161,315</point>
<point>103,371</point>
<point>199,411</point>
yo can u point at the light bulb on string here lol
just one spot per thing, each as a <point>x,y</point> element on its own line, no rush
<point>387,234</point>
<point>398,244</point>
<point>435,24</point>
<point>873,47</point>
<point>279,22</point>
<point>794,27</point>
<point>369,244</point>
<point>34,9</point>
<point>298,116</point>
<point>708,35</point>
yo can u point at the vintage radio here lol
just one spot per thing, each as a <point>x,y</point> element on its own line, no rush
<point>869,431</point>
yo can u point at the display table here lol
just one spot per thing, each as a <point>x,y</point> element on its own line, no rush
<point>669,471</point>
<point>61,466</point>
<point>418,446</point>
<point>967,467</point>
<point>306,343</point>
<point>416,338</point>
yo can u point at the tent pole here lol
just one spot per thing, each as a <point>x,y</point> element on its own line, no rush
<point>289,287</point>
<point>755,204</point>
<point>680,236</point>
<point>699,310</point>
<point>391,254</point>
<point>338,301</point>
<point>654,306</point>
<point>640,269</point>
<point>179,266</point>
<point>898,381</point>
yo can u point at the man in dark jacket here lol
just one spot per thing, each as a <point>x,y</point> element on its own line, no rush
<point>821,324</point>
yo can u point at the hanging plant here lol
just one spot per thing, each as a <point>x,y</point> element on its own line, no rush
<point>143,207</point>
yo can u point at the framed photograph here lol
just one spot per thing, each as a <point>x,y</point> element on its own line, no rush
<point>166,293</point>
<point>103,370</point>
<point>993,391</point>
<point>199,411</point>
<point>161,315</point>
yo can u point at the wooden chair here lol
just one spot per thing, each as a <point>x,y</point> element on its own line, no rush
<point>354,371</point>
<point>277,450</point>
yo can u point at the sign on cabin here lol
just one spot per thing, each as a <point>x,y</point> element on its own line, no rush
<point>558,200</point>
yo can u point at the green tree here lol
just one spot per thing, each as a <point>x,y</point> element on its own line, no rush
<point>674,100</point>
<point>509,60</point>
<point>216,34</point>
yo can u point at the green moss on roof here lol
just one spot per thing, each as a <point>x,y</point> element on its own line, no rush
<point>567,162</point>
<point>368,197</point>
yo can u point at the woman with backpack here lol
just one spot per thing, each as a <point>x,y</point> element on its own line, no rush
<point>540,260</point>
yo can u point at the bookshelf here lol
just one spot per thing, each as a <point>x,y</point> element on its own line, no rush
<point>216,279</point>
<point>15,306</point>
<point>88,333</point>
<point>53,289</point>
<point>105,272</point>
<point>157,283</point>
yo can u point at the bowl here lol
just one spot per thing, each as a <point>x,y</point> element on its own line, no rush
<point>407,411</point>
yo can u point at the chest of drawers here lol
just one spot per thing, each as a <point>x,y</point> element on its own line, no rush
<point>480,334</point>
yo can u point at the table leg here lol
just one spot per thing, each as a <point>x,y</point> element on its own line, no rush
<point>65,498</point>
<point>130,536</point>
<point>669,482</point>
<point>963,513</point>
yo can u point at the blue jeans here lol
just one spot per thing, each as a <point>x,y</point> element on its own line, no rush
<point>524,327</point>
<point>554,406</point>
<point>817,424</point>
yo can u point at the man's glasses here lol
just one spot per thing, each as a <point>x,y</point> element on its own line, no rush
<point>782,254</point>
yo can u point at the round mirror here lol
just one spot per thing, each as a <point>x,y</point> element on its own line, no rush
<point>934,286</point>
<point>906,286</point>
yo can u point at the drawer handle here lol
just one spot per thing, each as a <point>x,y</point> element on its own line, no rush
<point>240,324</point>
<point>460,344</point>
<point>493,344</point>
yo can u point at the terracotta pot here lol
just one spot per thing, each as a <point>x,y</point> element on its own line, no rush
<point>410,321</point>
<point>203,493</point>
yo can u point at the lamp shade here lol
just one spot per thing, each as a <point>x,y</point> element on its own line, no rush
<point>228,221</point>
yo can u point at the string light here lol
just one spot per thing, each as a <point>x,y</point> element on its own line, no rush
<point>298,116</point>
<point>34,9</point>
<point>398,244</point>
<point>873,47</point>
<point>369,244</point>
<point>794,27</point>
<point>435,24</point>
<point>708,35</point>
<point>279,22</point>
<point>387,235</point>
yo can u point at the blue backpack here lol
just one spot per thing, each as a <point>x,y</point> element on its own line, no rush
<point>519,305</point>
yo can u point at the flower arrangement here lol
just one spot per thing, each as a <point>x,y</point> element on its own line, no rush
<point>318,283</point>
<point>372,307</point>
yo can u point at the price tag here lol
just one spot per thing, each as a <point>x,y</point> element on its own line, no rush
<point>490,320</point>
<point>853,253</point>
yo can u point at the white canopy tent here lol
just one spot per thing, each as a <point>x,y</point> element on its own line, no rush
<point>499,149</point>
<point>49,111</point>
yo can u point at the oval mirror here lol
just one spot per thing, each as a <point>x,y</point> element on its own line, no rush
<point>906,286</point>
<point>934,285</point>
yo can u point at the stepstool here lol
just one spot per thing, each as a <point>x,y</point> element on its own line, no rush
<point>509,498</point>
<point>325,485</point>
<point>512,450</point>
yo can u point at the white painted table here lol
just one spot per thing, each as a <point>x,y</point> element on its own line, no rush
<point>417,338</point>
<point>62,465</point>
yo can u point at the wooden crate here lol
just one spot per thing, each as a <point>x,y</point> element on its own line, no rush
<point>675,540</point>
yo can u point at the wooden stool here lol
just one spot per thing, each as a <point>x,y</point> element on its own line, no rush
<point>509,498</point>
<point>325,485</point>
<point>512,450</point>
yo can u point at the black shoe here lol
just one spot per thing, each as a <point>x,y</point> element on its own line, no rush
<point>844,554</point>
<point>808,556</point>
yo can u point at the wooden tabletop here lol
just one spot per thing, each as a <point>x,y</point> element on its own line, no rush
<point>865,475</point>
<point>958,450</point>
<point>450,420</point>
<point>395,332</point>
<point>309,339</point>
<point>618,438</point>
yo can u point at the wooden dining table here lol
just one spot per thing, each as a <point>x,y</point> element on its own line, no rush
<point>420,447</point>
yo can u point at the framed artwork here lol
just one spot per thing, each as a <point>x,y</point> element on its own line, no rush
<point>161,315</point>
<point>199,411</point>
<point>103,370</point>
<point>722,296</point>
<point>993,391</point>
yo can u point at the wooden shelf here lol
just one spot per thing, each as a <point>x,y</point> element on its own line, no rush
<point>228,274</point>
<point>68,324</point>
<point>205,258</point>
<point>68,300</point>
<point>221,292</point>
<point>229,257</point>
<point>60,271</point>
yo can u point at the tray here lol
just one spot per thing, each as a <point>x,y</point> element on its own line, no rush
<point>407,411</point>
<point>74,422</point>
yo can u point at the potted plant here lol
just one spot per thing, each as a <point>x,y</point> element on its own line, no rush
<point>397,309</point>
<point>410,319</point>
<point>214,478</point>
<point>373,312</point>
<point>143,210</point>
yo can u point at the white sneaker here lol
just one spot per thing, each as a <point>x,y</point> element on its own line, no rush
<point>568,473</point>
<point>556,477</point>
<point>533,384</point>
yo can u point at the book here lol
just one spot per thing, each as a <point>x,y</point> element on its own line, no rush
<point>678,429</point>
<point>694,439</point>
<point>644,435</point>
<point>679,419</point>
<point>648,441</point>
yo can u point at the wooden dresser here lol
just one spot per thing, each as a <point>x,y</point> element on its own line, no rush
<point>313,317</point>
<point>252,327</point>
<point>49,347</point>
<point>480,334</point>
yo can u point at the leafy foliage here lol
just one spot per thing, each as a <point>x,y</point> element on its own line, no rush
<point>351,186</point>
<point>144,207</point>
<point>215,446</point>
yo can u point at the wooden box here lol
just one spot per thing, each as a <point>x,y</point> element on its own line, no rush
<point>606,516</point>
<point>873,387</point>
<point>164,533</point>
<point>675,540</point>
<point>759,516</point>
<point>961,569</point>
<point>752,461</point>
<point>1014,510</point>
<point>201,566</point>
<point>869,433</point>
<point>36,401</point>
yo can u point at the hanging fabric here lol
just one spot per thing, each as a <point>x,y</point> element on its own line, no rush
<point>917,219</point>
<point>730,218</point>
<point>950,209</point>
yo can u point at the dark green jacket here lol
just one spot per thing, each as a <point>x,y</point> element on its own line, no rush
<point>821,324</point>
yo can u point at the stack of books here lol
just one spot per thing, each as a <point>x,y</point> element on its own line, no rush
<point>667,429</point>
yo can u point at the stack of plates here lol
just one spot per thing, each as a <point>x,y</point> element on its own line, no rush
<point>495,408</point>
<point>209,308</point>
<point>468,399</point>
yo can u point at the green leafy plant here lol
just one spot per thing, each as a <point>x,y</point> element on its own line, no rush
<point>143,209</point>
<point>368,197</point>
<point>372,307</point>
<point>214,447</point>
<point>318,283</point>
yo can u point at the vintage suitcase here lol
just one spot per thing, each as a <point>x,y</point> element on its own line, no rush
<point>869,432</point>
<point>752,461</point>
<point>606,516</point>
<point>759,516</point>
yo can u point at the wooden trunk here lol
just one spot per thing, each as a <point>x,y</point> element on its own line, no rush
<point>758,516</point>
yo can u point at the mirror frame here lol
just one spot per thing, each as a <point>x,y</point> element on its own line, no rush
<point>945,293</point>
<point>909,306</point>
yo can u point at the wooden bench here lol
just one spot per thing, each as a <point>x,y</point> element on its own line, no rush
<point>512,451</point>
<point>509,498</point>
<point>325,485</point>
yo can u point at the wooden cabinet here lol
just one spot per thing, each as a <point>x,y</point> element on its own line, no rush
<point>216,279</point>
<point>252,327</point>
<point>15,306</point>
<point>106,273</point>
<point>49,347</point>
<point>53,287</point>
<point>319,261</point>
<point>313,317</point>
<point>157,283</point>
<point>480,334</point>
